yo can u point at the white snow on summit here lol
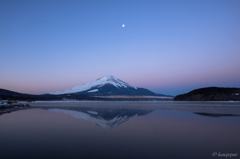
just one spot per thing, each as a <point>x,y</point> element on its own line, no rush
<point>94,90</point>
<point>97,83</point>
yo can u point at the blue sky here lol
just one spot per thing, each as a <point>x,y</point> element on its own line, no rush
<point>169,47</point>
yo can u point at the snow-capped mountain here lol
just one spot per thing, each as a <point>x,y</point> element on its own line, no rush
<point>107,85</point>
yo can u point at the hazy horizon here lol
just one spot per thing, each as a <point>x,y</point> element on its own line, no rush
<point>169,47</point>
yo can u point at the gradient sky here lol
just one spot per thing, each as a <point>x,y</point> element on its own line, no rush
<point>166,46</point>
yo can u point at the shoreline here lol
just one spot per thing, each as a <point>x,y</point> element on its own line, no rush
<point>195,107</point>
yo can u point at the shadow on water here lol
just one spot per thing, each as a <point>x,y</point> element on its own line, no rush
<point>9,110</point>
<point>217,115</point>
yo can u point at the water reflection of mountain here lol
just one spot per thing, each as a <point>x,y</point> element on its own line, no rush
<point>103,117</point>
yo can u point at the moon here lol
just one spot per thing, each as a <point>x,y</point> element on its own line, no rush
<point>123,25</point>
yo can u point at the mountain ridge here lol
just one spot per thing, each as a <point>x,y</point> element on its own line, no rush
<point>11,95</point>
<point>107,86</point>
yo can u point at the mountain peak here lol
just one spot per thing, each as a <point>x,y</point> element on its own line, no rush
<point>108,78</point>
<point>95,85</point>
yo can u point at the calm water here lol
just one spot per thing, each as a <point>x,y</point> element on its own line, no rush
<point>78,132</point>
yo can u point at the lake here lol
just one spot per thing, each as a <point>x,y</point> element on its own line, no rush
<point>149,130</point>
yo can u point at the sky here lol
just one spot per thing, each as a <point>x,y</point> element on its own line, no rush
<point>167,46</point>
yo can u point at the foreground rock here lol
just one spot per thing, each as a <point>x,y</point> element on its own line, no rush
<point>211,94</point>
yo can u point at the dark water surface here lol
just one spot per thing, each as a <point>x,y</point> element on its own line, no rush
<point>116,133</point>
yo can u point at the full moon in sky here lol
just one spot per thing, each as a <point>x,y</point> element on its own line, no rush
<point>123,25</point>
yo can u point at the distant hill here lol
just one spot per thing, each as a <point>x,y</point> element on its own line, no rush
<point>211,94</point>
<point>11,95</point>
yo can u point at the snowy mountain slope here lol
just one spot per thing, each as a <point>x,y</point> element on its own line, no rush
<point>106,86</point>
<point>92,86</point>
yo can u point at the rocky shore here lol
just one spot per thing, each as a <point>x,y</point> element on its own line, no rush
<point>4,105</point>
